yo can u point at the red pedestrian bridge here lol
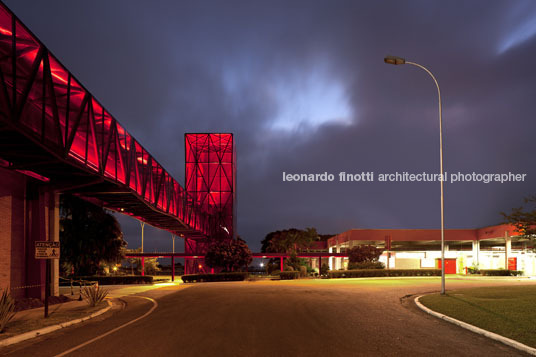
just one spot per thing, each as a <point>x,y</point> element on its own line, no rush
<point>56,137</point>
<point>53,129</point>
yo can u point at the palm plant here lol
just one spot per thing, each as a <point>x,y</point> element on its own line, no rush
<point>7,308</point>
<point>93,294</point>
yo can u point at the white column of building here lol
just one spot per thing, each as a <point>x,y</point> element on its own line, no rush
<point>507,249</point>
<point>338,262</point>
<point>476,252</point>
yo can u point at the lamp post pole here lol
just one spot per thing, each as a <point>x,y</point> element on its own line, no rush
<point>142,223</point>
<point>396,61</point>
<point>173,259</point>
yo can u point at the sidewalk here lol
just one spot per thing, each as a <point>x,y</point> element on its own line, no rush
<point>30,323</point>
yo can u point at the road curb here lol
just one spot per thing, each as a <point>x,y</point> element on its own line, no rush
<point>478,330</point>
<point>43,331</point>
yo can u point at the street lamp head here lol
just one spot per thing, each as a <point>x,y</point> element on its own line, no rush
<point>394,60</point>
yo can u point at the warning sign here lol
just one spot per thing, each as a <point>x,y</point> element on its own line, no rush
<point>47,250</point>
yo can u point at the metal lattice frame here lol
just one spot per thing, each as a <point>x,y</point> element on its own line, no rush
<point>54,129</point>
<point>211,180</point>
<point>211,177</point>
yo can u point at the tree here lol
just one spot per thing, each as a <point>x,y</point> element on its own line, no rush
<point>151,266</point>
<point>229,255</point>
<point>364,253</point>
<point>523,218</point>
<point>89,235</point>
<point>289,241</point>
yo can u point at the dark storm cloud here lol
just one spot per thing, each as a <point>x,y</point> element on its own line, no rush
<point>164,68</point>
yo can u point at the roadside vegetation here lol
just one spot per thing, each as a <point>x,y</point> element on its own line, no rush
<point>89,236</point>
<point>507,311</point>
<point>524,218</point>
<point>7,309</point>
<point>228,255</point>
<point>93,294</point>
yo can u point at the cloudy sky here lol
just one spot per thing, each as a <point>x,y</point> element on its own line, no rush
<point>303,86</point>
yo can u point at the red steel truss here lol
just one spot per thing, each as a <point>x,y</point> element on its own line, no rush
<point>211,180</point>
<point>211,176</point>
<point>52,128</point>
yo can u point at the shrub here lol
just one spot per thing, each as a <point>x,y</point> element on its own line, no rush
<point>289,275</point>
<point>229,255</point>
<point>362,273</point>
<point>500,272</point>
<point>112,280</point>
<point>324,269</point>
<point>93,294</point>
<point>364,253</point>
<point>366,265</point>
<point>473,270</point>
<point>7,308</point>
<point>202,278</point>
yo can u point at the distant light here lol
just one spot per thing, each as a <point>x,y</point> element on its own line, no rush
<point>114,268</point>
<point>200,266</point>
<point>262,264</point>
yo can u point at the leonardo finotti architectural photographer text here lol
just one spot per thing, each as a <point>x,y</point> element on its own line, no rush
<point>370,176</point>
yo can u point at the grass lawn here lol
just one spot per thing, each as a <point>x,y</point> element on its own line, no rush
<point>509,310</point>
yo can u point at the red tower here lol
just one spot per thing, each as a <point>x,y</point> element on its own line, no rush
<point>211,182</point>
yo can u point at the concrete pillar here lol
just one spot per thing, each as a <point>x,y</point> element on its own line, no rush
<point>507,249</point>
<point>476,252</point>
<point>36,231</point>
<point>13,232</point>
<point>338,263</point>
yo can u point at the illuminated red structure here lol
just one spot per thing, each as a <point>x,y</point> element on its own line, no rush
<point>56,137</point>
<point>211,180</point>
<point>51,125</point>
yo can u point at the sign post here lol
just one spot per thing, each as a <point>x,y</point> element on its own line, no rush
<point>47,250</point>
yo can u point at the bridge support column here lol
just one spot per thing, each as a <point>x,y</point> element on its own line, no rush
<point>29,212</point>
<point>281,263</point>
<point>142,266</point>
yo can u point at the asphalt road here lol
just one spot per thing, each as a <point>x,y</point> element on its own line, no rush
<point>306,318</point>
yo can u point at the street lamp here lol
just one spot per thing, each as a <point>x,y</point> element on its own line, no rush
<point>399,60</point>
